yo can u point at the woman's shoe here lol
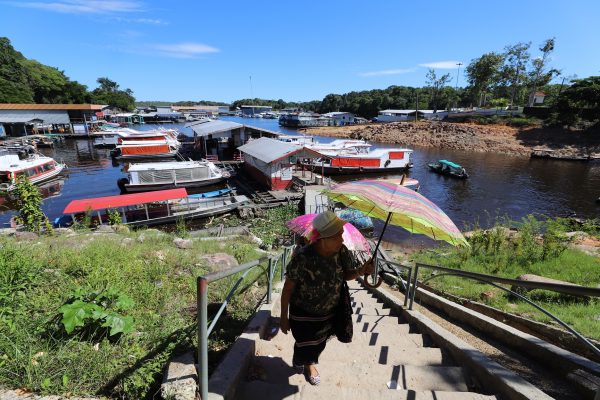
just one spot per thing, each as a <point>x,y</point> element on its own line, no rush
<point>313,380</point>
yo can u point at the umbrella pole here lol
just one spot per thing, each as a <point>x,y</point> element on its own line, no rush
<point>376,273</point>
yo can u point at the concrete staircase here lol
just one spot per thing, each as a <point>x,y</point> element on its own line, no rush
<point>385,360</point>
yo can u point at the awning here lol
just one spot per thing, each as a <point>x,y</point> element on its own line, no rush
<point>102,203</point>
<point>40,116</point>
<point>202,128</point>
<point>19,120</point>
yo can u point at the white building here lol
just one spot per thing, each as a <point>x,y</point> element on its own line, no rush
<point>340,118</point>
<point>409,115</point>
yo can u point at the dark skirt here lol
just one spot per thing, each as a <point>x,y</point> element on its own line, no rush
<point>311,332</point>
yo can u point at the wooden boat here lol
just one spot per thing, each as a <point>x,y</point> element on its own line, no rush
<point>116,137</point>
<point>383,160</point>
<point>170,175</point>
<point>445,167</point>
<point>150,208</point>
<point>214,193</point>
<point>25,161</point>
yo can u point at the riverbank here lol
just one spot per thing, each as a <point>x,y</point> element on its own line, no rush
<point>494,138</point>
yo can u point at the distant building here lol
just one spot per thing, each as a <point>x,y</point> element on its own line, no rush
<point>409,115</point>
<point>26,119</point>
<point>250,110</point>
<point>537,98</point>
<point>340,118</point>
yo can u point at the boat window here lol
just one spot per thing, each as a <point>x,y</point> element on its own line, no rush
<point>4,178</point>
<point>31,172</point>
<point>47,167</point>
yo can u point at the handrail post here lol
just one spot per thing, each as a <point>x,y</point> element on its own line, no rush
<point>202,336</point>
<point>408,286</point>
<point>414,287</point>
<point>270,280</point>
<point>283,262</point>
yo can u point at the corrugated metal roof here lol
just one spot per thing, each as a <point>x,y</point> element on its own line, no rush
<point>202,128</point>
<point>46,116</point>
<point>83,107</point>
<point>269,150</point>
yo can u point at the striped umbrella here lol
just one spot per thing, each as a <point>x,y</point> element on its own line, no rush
<point>395,204</point>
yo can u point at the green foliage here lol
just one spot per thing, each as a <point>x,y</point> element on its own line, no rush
<point>97,313</point>
<point>109,93</point>
<point>29,200</point>
<point>580,101</point>
<point>181,228</point>
<point>114,218</point>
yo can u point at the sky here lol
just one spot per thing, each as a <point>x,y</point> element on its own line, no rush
<point>181,50</point>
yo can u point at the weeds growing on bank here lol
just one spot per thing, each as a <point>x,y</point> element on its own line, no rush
<point>537,247</point>
<point>92,314</point>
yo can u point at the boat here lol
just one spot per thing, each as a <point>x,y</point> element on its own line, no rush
<point>149,208</point>
<point>144,149</point>
<point>445,167</point>
<point>213,193</point>
<point>303,120</point>
<point>25,161</point>
<point>351,162</point>
<point>170,175</point>
<point>113,137</point>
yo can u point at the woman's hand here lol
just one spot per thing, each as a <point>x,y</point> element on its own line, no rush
<point>368,267</point>
<point>284,324</point>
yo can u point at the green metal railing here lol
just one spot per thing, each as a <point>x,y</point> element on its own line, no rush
<point>202,283</point>
<point>494,280</point>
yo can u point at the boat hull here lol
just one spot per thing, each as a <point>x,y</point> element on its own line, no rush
<point>446,173</point>
<point>129,188</point>
<point>354,170</point>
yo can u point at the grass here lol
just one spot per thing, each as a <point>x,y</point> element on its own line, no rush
<point>540,248</point>
<point>37,278</point>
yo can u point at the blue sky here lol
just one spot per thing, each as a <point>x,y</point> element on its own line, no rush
<point>297,51</point>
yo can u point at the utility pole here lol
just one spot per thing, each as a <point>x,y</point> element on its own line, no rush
<point>456,87</point>
<point>417,106</point>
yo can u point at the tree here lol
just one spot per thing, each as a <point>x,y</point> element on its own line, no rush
<point>579,101</point>
<point>14,84</point>
<point>436,84</point>
<point>29,200</point>
<point>107,85</point>
<point>538,75</point>
<point>109,93</point>
<point>514,72</point>
<point>483,74</point>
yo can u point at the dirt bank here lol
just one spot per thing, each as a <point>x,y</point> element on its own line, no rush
<point>462,136</point>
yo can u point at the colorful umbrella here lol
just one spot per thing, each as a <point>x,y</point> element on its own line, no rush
<point>353,239</point>
<point>397,205</point>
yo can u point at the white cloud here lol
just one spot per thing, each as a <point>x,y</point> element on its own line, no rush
<point>149,21</point>
<point>441,64</point>
<point>388,72</point>
<point>184,50</point>
<point>83,6</point>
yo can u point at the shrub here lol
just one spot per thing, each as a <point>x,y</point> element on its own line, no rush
<point>29,200</point>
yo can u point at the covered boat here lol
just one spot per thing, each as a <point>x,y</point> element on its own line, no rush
<point>144,149</point>
<point>170,175</point>
<point>383,160</point>
<point>25,161</point>
<point>445,167</point>
<point>149,208</point>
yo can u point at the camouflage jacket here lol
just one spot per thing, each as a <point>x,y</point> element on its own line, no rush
<point>318,279</point>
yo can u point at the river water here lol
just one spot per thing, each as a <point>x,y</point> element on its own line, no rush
<point>498,185</point>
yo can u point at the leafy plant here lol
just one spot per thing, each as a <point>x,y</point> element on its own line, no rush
<point>29,200</point>
<point>97,313</point>
<point>114,218</point>
<point>181,227</point>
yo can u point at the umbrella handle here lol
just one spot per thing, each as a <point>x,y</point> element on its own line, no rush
<point>374,286</point>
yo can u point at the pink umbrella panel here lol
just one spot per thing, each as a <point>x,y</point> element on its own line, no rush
<point>353,238</point>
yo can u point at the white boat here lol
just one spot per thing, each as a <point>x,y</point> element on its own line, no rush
<point>37,168</point>
<point>115,137</point>
<point>382,160</point>
<point>169,175</point>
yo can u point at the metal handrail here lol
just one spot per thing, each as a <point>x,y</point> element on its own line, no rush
<point>202,304</point>
<point>491,280</point>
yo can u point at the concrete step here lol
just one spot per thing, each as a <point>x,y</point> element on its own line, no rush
<point>382,339</point>
<point>371,311</point>
<point>382,324</point>
<point>351,352</point>
<point>268,391</point>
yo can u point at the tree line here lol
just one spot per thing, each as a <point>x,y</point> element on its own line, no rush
<point>28,81</point>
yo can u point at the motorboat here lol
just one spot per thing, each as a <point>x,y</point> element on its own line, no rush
<point>170,175</point>
<point>149,208</point>
<point>341,162</point>
<point>27,162</point>
<point>448,168</point>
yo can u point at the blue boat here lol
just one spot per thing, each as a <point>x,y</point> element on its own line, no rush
<point>445,167</point>
<point>214,193</point>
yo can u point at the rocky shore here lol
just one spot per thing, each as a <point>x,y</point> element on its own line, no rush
<point>555,143</point>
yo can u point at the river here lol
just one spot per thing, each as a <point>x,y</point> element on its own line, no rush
<point>498,185</point>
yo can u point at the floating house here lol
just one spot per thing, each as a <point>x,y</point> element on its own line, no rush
<point>271,162</point>
<point>26,119</point>
<point>252,110</point>
<point>409,115</point>
<point>340,118</point>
